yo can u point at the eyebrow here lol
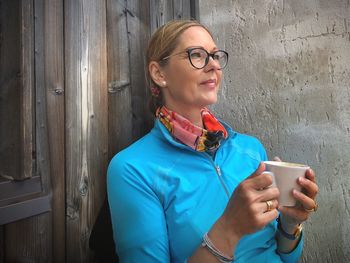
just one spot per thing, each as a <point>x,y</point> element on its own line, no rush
<point>214,49</point>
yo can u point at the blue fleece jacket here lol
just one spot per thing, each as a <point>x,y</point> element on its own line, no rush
<point>164,196</point>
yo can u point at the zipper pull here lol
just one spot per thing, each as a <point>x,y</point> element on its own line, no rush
<point>218,170</point>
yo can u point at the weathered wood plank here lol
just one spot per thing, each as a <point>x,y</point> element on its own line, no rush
<point>30,240</point>
<point>182,9</point>
<point>138,19</point>
<point>161,11</point>
<point>28,207</point>
<point>26,240</point>
<point>54,90</point>
<point>86,113</point>
<point>2,245</point>
<point>194,9</point>
<point>15,189</point>
<point>10,162</point>
<point>16,103</point>
<point>119,99</point>
<point>27,118</point>
<point>86,121</point>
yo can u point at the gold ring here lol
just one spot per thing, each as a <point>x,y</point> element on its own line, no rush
<point>269,204</point>
<point>314,209</point>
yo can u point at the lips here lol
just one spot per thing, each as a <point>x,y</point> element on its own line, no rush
<point>209,82</point>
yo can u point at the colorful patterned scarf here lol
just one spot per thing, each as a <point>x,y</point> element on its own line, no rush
<point>199,139</point>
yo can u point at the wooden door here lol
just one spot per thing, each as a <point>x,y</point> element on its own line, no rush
<point>72,95</point>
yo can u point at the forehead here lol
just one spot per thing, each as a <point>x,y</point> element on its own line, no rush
<point>196,36</point>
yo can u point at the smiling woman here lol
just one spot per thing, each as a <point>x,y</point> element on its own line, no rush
<point>193,190</point>
<point>185,88</point>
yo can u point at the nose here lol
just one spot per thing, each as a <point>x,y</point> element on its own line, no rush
<point>212,64</point>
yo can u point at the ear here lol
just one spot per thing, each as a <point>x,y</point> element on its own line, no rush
<point>157,73</point>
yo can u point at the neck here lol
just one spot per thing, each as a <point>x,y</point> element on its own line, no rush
<point>193,115</point>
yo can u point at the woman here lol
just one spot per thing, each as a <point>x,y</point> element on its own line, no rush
<point>193,190</point>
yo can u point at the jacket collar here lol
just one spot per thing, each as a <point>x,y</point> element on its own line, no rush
<point>162,133</point>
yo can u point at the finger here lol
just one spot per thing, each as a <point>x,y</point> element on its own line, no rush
<point>271,193</point>
<point>261,182</point>
<point>297,214</point>
<point>277,159</point>
<point>264,206</point>
<point>310,174</point>
<point>267,206</point>
<point>268,216</point>
<point>309,186</point>
<point>258,171</point>
<point>304,200</point>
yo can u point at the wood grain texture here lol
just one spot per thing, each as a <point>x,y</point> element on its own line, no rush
<point>29,240</point>
<point>2,245</point>
<point>27,117</point>
<point>138,19</point>
<point>10,114</point>
<point>91,101</point>
<point>54,90</point>
<point>162,11</point>
<point>119,86</point>
<point>86,121</point>
<point>182,9</point>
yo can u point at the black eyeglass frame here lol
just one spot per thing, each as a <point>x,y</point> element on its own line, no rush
<point>189,50</point>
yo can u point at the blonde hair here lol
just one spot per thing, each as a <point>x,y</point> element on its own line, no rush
<point>162,43</point>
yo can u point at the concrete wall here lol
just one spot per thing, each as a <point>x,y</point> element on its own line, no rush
<point>287,83</point>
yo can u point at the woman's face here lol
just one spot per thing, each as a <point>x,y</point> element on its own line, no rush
<point>188,88</point>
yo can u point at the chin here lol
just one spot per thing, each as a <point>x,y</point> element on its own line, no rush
<point>209,102</point>
<point>213,99</point>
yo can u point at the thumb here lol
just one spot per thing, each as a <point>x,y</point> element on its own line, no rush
<point>258,171</point>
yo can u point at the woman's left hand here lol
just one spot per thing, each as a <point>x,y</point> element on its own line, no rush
<point>306,199</point>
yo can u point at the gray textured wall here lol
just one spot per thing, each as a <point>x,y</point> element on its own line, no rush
<point>288,84</point>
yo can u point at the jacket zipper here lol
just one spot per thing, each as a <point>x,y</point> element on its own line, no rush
<point>218,172</point>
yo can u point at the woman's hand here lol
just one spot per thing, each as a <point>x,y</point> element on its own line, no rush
<point>292,216</point>
<point>306,201</point>
<point>252,206</point>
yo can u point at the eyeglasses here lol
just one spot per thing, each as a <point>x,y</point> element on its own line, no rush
<point>199,57</point>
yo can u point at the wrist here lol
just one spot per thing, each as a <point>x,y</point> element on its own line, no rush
<point>224,239</point>
<point>289,231</point>
<point>228,230</point>
<point>222,257</point>
<point>288,225</point>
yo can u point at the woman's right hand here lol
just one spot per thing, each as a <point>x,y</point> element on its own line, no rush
<point>247,210</point>
<point>245,213</point>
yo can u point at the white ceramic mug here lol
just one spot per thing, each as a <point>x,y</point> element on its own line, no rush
<point>285,177</point>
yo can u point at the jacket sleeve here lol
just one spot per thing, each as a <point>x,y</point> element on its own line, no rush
<point>294,255</point>
<point>139,226</point>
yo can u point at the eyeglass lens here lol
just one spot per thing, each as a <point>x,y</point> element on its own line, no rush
<point>199,57</point>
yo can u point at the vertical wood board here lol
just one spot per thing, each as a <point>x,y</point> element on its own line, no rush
<point>10,149</point>
<point>30,239</point>
<point>86,121</point>
<point>138,19</point>
<point>54,85</point>
<point>119,86</point>
<point>27,117</point>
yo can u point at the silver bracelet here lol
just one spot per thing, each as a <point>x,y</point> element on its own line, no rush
<point>213,250</point>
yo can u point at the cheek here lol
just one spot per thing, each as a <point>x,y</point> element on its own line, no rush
<point>185,80</point>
